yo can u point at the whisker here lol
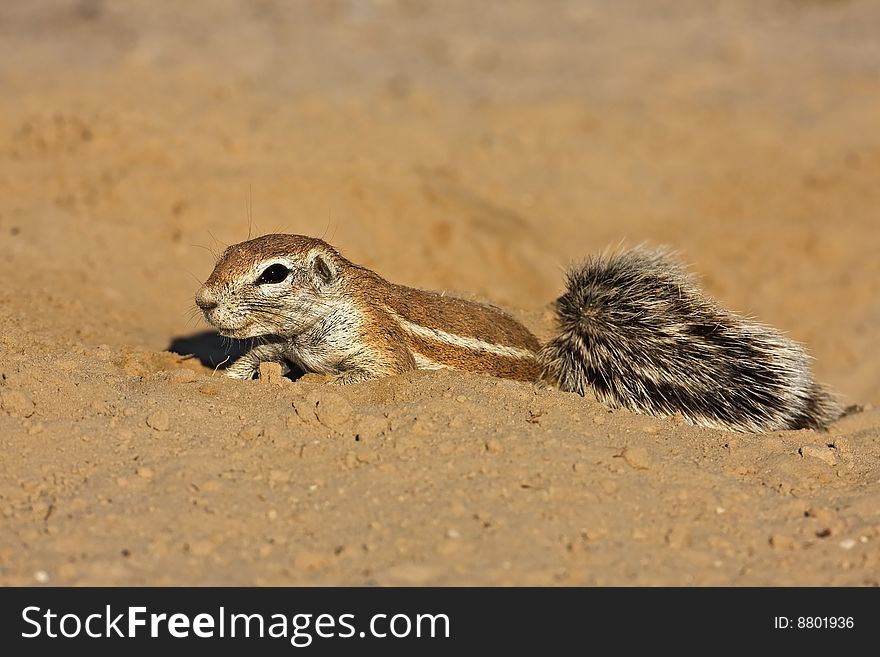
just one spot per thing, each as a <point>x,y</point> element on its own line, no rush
<point>213,237</point>
<point>250,209</point>
<point>208,249</point>
<point>219,364</point>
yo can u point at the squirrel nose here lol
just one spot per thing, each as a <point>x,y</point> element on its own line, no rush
<point>205,300</point>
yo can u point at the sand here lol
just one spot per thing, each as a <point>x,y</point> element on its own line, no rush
<point>449,145</point>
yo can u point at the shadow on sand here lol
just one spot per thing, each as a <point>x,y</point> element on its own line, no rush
<point>215,351</point>
<point>212,349</point>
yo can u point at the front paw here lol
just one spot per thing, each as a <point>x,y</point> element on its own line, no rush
<point>241,371</point>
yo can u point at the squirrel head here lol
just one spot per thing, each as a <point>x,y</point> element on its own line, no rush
<point>274,285</point>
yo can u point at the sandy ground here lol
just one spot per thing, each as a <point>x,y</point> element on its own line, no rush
<point>448,145</point>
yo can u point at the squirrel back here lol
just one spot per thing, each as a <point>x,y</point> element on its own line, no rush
<point>636,330</point>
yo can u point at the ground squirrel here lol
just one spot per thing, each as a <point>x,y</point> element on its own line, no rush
<point>633,328</point>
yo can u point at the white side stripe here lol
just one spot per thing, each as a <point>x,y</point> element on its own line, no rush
<point>473,344</point>
<point>424,363</point>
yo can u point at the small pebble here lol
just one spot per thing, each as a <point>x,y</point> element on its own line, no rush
<point>279,476</point>
<point>159,420</point>
<point>636,457</point>
<point>822,453</point>
<point>493,446</point>
<point>251,431</point>
<point>182,375</point>
<point>144,473</point>
<point>16,402</point>
<point>781,542</point>
<point>331,409</point>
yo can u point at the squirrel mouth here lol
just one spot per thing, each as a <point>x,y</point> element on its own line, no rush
<point>238,333</point>
<point>245,332</point>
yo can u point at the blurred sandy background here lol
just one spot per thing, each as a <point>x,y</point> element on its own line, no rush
<point>460,145</point>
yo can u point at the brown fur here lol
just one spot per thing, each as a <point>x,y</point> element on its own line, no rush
<point>446,313</point>
<point>383,345</point>
<point>461,317</point>
<point>386,344</point>
<point>240,257</point>
<point>468,360</point>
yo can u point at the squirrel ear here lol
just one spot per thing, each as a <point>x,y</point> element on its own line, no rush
<point>325,273</point>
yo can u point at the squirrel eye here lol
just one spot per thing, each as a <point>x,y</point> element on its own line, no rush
<point>273,274</point>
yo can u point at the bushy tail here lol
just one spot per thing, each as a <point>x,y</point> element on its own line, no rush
<point>636,330</point>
